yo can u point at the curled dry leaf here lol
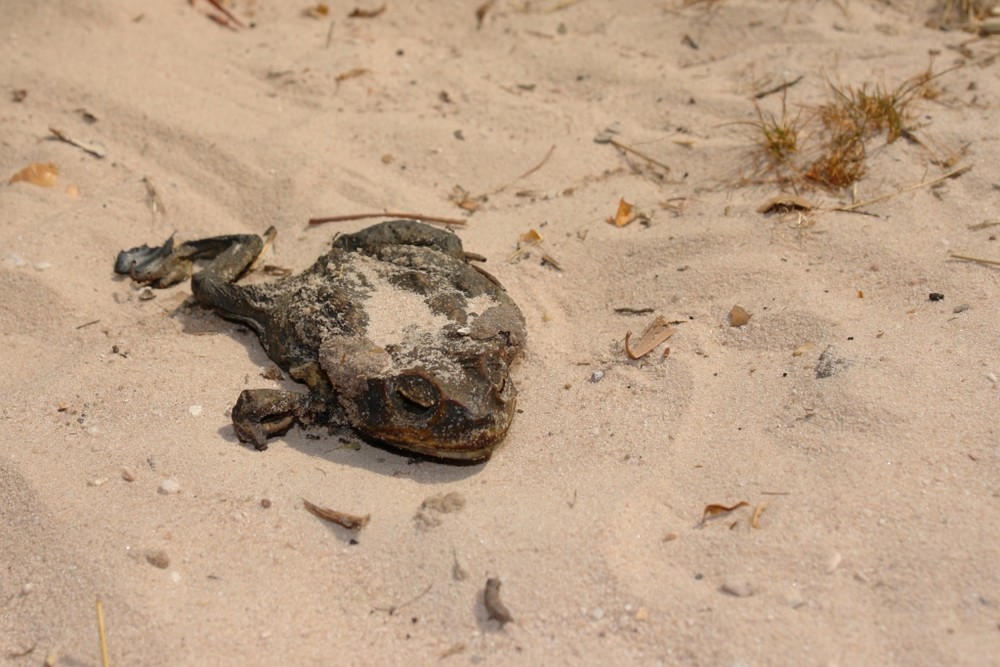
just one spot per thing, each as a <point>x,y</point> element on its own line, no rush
<point>624,215</point>
<point>658,331</point>
<point>37,173</point>
<point>349,521</point>
<point>738,317</point>
<point>717,509</point>
<point>785,204</point>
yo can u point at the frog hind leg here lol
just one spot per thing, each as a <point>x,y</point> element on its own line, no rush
<point>262,413</point>
<point>170,264</point>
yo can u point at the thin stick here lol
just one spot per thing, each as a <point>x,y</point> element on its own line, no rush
<point>538,166</point>
<point>100,634</point>
<point>780,87</point>
<point>388,214</point>
<point>628,149</point>
<point>954,173</point>
<point>226,12</point>
<point>329,34</point>
<point>991,262</point>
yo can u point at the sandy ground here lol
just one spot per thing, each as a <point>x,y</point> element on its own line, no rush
<point>870,533</point>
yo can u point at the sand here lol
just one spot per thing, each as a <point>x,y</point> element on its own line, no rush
<point>857,418</point>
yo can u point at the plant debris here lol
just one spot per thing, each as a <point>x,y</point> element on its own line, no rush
<point>755,517</point>
<point>481,12</point>
<point>42,174</point>
<point>716,509</point>
<point>349,521</point>
<point>358,13</point>
<point>95,149</point>
<point>658,331</point>
<point>785,204</point>
<point>495,609</point>
<point>738,317</point>
<point>623,215</point>
<point>317,11</point>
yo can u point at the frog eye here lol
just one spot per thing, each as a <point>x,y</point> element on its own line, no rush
<point>416,393</point>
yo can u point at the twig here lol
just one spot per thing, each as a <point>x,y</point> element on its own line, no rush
<point>388,214</point>
<point>954,173</point>
<point>101,636</point>
<point>226,12</point>
<point>392,609</point>
<point>991,262</point>
<point>91,149</point>
<point>779,88</point>
<point>329,34</point>
<point>87,324</point>
<point>538,166</point>
<point>628,149</point>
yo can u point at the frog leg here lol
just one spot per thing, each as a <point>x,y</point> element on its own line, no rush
<point>262,413</point>
<point>168,264</point>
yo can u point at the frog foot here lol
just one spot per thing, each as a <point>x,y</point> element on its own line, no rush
<point>262,413</point>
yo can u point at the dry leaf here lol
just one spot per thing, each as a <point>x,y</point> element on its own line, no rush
<point>317,11</point>
<point>349,521</point>
<point>530,236</point>
<point>38,173</point>
<point>755,517</point>
<point>351,74</point>
<point>738,317</point>
<point>658,331</point>
<point>359,13</point>
<point>716,510</point>
<point>624,214</point>
<point>785,204</point>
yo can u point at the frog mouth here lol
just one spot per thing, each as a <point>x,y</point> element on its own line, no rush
<point>409,413</point>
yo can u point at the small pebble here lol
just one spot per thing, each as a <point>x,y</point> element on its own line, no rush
<point>741,589</point>
<point>158,558</point>
<point>992,377</point>
<point>961,308</point>
<point>146,294</point>
<point>27,588</point>
<point>195,410</point>
<point>128,475</point>
<point>98,481</point>
<point>265,502</point>
<point>833,563</point>
<point>642,614</point>
<point>597,376</point>
<point>41,266</point>
<point>597,614</point>
<point>170,486</point>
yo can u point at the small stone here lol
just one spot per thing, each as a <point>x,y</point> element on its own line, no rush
<point>195,410</point>
<point>97,481</point>
<point>158,558</point>
<point>597,376</point>
<point>739,589</point>
<point>642,614</point>
<point>42,266</point>
<point>170,486</point>
<point>265,502</point>
<point>961,308</point>
<point>992,377</point>
<point>833,563</point>
<point>128,475</point>
<point>936,296</point>
<point>597,614</point>
<point>146,294</point>
<point>27,588</point>
<point>830,363</point>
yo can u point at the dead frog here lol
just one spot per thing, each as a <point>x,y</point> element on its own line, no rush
<point>397,335</point>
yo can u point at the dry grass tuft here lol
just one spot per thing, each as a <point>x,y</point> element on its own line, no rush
<point>826,145</point>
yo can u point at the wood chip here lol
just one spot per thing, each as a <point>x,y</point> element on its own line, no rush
<point>349,521</point>
<point>495,609</point>
<point>658,331</point>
